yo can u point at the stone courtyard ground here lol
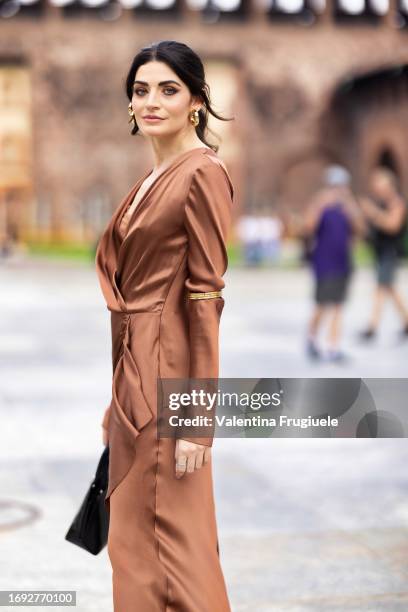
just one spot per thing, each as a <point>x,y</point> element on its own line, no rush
<point>304,524</point>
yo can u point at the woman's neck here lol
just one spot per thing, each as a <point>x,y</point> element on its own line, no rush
<point>165,154</point>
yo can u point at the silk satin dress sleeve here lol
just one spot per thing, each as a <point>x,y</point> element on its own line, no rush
<point>206,222</point>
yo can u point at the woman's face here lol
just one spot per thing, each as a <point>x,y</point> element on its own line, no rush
<point>158,91</point>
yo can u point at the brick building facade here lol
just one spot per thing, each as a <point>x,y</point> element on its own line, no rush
<point>303,91</point>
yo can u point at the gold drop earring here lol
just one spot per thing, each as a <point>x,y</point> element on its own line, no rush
<point>131,113</point>
<point>194,117</point>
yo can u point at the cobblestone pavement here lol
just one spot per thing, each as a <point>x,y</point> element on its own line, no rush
<point>304,524</point>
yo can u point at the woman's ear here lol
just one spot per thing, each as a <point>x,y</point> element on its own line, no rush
<point>197,102</point>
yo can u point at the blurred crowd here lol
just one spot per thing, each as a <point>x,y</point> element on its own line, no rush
<point>333,220</point>
<point>260,236</point>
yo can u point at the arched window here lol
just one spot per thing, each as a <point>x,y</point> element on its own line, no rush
<point>355,11</point>
<point>387,159</point>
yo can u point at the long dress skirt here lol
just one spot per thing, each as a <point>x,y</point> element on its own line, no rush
<point>163,536</point>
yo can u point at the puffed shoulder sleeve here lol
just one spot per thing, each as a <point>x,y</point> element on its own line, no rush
<point>207,220</point>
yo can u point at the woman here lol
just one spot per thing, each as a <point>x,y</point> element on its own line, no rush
<point>386,214</point>
<point>160,264</point>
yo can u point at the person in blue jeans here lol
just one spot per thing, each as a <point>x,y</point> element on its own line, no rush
<point>331,221</point>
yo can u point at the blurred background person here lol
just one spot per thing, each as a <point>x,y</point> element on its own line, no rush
<point>331,220</point>
<point>248,230</point>
<point>270,233</point>
<point>386,214</point>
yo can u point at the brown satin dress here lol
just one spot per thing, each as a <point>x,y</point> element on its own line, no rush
<point>156,264</point>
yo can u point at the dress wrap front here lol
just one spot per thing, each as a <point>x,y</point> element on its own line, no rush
<point>172,245</point>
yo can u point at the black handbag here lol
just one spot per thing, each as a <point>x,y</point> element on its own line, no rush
<point>90,527</point>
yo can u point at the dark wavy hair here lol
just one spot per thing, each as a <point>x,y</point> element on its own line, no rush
<point>189,68</point>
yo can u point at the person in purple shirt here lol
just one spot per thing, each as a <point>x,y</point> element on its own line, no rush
<point>331,220</point>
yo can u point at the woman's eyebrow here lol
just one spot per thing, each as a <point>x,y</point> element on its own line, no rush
<point>161,82</point>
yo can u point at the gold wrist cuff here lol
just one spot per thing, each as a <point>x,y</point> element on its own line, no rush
<point>204,296</point>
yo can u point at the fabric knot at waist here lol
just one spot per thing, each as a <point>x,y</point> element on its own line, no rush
<point>129,405</point>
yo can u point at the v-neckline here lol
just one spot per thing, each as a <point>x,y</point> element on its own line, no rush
<point>140,182</point>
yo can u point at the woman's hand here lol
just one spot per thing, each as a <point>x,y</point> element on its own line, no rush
<point>105,436</point>
<point>105,426</point>
<point>190,456</point>
<point>368,207</point>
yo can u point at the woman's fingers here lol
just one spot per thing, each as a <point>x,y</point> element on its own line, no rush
<point>189,457</point>
<point>181,464</point>
<point>105,438</point>
<point>207,454</point>
<point>199,460</point>
<point>191,463</point>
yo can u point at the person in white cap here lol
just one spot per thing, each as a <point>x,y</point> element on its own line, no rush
<point>331,220</point>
